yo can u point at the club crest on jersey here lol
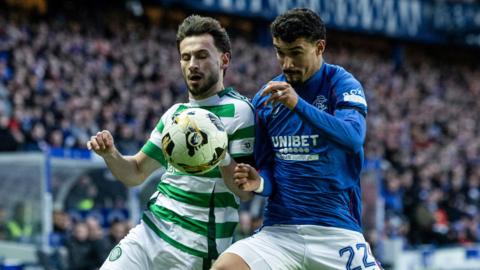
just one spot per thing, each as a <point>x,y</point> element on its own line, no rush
<point>321,103</point>
<point>115,253</point>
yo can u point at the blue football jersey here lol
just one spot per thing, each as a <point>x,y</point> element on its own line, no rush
<point>311,157</point>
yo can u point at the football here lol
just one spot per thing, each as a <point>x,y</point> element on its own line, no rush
<point>194,141</point>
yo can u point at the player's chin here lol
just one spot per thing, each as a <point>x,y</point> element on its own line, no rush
<point>294,79</point>
<point>194,85</point>
<point>195,88</point>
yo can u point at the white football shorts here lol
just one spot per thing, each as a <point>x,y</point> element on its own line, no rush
<point>292,247</point>
<point>143,249</point>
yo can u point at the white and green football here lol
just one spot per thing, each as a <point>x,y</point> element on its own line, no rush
<point>194,141</point>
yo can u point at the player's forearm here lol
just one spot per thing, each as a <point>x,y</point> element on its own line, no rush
<point>125,169</point>
<point>347,128</point>
<point>227,174</point>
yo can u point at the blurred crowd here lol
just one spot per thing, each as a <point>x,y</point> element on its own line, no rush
<point>81,244</point>
<point>61,82</point>
<point>423,127</point>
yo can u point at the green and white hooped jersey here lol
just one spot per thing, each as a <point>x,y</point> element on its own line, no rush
<point>198,214</point>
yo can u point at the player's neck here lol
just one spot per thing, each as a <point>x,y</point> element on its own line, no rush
<point>314,70</point>
<point>211,92</point>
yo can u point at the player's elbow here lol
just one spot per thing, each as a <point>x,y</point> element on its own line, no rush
<point>133,181</point>
<point>356,144</point>
<point>356,137</point>
<point>356,149</point>
<point>355,132</point>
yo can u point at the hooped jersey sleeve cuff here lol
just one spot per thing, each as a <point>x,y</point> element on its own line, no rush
<point>225,161</point>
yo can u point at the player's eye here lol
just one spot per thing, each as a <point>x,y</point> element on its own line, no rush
<point>296,53</point>
<point>202,55</point>
<point>185,57</point>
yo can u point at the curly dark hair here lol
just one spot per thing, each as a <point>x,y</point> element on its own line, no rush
<point>195,25</point>
<point>299,23</point>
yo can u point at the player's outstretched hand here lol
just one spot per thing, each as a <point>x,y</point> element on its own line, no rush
<point>102,143</point>
<point>246,177</point>
<point>281,92</point>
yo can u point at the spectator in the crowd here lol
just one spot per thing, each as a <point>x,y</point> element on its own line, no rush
<point>57,257</point>
<point>36,139</point>
<point>3,225</point>
<point>97,241</point>
<point>56,138</point>
<point>79,248</point>
<point>126,142</point>
<point>8,140</point>
<point>393,193</point>
<point>118,230</point>
<point>62,225</point>
<point>20,227</point>
<point>82,195</point>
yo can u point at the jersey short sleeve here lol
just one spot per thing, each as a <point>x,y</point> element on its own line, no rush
<point>153,147</point>
<point>241,132</point>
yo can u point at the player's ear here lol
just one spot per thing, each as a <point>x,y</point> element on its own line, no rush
<point>225,58</point>
<point>320,46</point>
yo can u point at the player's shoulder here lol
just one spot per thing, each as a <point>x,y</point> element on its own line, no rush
<point>348,89</point>
<point>339,74</point>
<point>176,108</point>
<point>232,96</point>
<point>167,115</point>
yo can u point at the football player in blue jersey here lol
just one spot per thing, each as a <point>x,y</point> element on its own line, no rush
<point>310,130</point>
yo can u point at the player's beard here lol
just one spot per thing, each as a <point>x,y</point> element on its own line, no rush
<point>293,77</point>
<point>200,89</point>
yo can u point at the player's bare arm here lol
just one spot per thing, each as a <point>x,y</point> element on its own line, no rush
<point>130,170</point>
<point>228,174</point>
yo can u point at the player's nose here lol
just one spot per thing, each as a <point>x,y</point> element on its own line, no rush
<point>287,63</point>
<point>193,64</point>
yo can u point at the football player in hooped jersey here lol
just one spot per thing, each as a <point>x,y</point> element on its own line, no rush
<point>309,130</point>
<point>190,218</point>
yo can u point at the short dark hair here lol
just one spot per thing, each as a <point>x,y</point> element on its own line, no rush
<point>195,25</point>
<point>299,23</point>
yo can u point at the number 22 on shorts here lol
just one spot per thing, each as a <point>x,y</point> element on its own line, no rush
<point>361,249</point>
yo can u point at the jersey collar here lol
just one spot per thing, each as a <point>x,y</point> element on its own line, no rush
<point>213,100</point>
